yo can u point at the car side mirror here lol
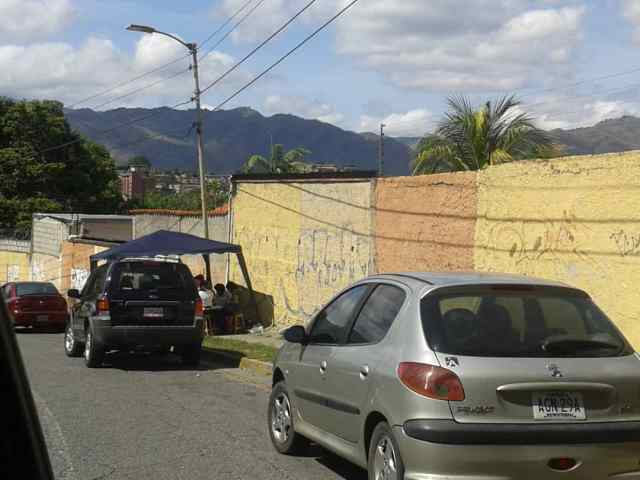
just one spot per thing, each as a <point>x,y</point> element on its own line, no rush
<point>73,293</point>
<point>295,334</point>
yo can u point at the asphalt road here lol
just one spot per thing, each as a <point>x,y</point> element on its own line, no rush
<point>147,417</point>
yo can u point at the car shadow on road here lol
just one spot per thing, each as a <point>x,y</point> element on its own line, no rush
<point>150,362</point>
<point>338,465</point>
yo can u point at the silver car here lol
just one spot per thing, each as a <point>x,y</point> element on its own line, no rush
<point>462,377</point>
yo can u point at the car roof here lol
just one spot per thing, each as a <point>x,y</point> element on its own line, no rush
<point>469,278</point>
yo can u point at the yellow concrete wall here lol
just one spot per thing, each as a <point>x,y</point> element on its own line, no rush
<point>302,241</point>
<point>575,219</point>
<point>14,266</point>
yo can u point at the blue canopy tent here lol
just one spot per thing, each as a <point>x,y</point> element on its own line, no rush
<point>166,243</point>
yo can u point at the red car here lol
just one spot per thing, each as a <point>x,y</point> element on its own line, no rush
<point>36,304</point>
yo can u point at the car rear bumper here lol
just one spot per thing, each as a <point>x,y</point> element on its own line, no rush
<point>454,433</point>
<point>40,319</point>
<point>148,336</point>
<point>426,460</point>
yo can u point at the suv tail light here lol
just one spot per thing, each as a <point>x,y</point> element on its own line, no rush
<point>431,381</point>
<point>199,308</point>
<point>102,305</point>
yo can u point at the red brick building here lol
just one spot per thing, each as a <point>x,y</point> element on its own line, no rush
<point>132,184</point>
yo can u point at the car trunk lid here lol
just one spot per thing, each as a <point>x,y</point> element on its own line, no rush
<point>532,390</point>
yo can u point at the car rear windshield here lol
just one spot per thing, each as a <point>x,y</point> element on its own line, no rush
<point>518,321</point>
<point>140,278</point>
<point>35,288</point>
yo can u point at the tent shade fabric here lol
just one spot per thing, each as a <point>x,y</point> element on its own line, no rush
<point>166,243</point>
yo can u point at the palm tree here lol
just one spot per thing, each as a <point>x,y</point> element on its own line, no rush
<point>472,139</point>
<point>292,161</point>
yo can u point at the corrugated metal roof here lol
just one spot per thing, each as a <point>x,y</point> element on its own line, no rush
<point>217,212</point>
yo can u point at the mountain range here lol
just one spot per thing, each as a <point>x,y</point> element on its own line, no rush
<point>165,137</point>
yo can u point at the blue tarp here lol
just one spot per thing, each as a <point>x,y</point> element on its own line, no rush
<point>166,243</point>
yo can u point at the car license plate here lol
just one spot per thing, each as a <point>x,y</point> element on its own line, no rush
<point>558,406</point>
<point>42,318</point>
<point>153,312</point>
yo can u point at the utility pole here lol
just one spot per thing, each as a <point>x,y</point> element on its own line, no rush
<point>381,151</point>
<point>193,50</point>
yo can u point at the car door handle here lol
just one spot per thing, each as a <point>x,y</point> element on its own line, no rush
<point>364,372</point>
<point>323,366</point>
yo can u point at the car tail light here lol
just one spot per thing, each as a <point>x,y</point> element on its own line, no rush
<point>13,306</point>
<point>199,308</point>
<point>562,464</point>
<point>431,381</point>
<point>102,305</point>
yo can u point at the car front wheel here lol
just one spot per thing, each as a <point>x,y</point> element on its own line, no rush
<point>283,436</point>
<point>384,462</point>
<point>72,347</point>
<point>93,351</point>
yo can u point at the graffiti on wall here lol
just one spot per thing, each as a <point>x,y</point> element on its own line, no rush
<point>79,278</point>
<point>626,243</point>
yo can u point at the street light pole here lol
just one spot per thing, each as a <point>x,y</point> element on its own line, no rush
<point>193,49</point>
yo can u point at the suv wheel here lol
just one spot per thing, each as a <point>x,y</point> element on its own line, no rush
<point>71,346</point>
<point>93,351</point>
<point>191,355</point>
<point>385,462</point>
<point>283,436</point>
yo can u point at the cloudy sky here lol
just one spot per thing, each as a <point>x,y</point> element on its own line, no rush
<point>573,63</point>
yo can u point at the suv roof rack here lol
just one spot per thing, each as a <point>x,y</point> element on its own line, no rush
<point>157,258</point>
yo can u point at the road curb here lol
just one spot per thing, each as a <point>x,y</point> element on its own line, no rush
<point>237,361</point>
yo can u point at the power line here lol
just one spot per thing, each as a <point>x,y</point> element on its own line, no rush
<point>159,68</point>
<point>140,89</point>
<point>227,22</point>
<point>286,55</point>
<point>127,82</point>
<point>232,29</point>
<point>262,44</point>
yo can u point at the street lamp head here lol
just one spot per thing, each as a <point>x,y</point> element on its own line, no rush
<point>141,28</point>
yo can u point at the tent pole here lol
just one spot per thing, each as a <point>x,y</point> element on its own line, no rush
<point>245,274</point>
<point>207,266</point>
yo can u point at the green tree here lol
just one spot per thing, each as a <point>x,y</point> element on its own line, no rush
<point>472,139</point>
<point>79,177</point>
<point>292,161</point>
<point>217,195</point>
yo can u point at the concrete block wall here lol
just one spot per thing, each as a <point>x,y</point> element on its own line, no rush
<point>574,219</point>
<point>303,242</point>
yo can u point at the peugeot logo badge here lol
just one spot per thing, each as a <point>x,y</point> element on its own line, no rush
<point>555,371</point>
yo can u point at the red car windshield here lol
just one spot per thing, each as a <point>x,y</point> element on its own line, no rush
<point>35,288</point>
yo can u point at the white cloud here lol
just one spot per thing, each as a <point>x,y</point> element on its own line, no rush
<point>631,11</point>
<point>69,73</point>
<point>302,106</point>
<point>561,111</point>
<point>22,20</point>
<point>414,123</point>
<point>445,45</point>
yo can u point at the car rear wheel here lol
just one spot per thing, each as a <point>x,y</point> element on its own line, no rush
<point>72,347</point>
<point>385,462</point>
<point>93,351</point>
<point>283,436</point>
<point>191,355</point>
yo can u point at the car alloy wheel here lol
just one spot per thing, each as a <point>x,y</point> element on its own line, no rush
<point>87,346</point>
<point>385,463</point>
<point>281,418</point>
<point>69,341</point>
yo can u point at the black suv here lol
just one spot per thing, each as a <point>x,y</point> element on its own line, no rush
<point>134,304</point>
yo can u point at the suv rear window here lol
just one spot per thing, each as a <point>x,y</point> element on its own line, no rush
<point>139,278</point>
<point>35,288</point>
<point>518,321</point>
